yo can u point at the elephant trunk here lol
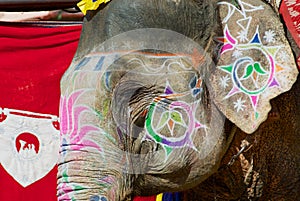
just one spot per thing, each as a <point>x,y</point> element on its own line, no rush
<point>89,173</point>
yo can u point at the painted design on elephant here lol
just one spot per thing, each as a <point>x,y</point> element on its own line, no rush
<point>252,69</point>
<point>73,137</point>
<point>170,62</point>
<point>97,198</point>
<point>172,115</point>
<point>107,183</point>
<point>93,62</point>
<point>65,189</point>
<point>177,113</point>
<point>243,8</point>
<point>248,75</point>
<point>72,131</point>
<point>99,61</point>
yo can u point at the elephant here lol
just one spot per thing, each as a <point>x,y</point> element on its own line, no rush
<point>180,95</point>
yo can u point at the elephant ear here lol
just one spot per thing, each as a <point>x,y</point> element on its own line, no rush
<point>255,65</point>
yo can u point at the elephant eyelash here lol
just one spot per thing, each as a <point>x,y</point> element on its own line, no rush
<point>139,106</point>
<point>141,94</point>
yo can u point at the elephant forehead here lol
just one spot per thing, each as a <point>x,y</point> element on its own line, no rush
<point>106,69</point>
<point>256,63</point>
<point>150,63</point>
<point>153,70</point>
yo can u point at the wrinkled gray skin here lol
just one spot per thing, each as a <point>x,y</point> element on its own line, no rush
<point>197,20</point>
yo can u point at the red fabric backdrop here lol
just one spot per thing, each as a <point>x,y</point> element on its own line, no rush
<point>290,11</point>
<point>33,59</point>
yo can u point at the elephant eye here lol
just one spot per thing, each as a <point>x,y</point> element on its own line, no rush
<point>139,104</point>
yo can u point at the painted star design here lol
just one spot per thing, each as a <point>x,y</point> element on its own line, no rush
<point>252,71</point>
<point>239,105</point>
<point>269,36</point>
<point>243,36</point>
<point>224,81</point>
<point>237,53</point>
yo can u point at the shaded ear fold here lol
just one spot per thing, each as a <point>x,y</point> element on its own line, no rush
<point>256,63</point>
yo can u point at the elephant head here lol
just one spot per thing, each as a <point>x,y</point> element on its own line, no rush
<point>157,88</point>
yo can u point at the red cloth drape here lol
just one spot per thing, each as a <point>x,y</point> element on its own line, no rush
<point>290,11</point>
<point>33,60</point>
<point>148,198</point>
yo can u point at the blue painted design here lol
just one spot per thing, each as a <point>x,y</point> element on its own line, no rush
<point>82,63</point>
<point>99,64</point>
<point>95,198</point>
<point>235,69</point>
<point>197,91</point>
<point>195,85</point>
<point>193,82</point>
<point>63,146</point>
<point>256,39</point>
<point>107,78</point>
